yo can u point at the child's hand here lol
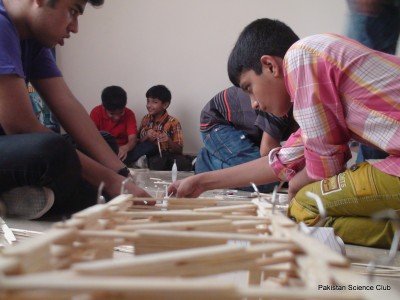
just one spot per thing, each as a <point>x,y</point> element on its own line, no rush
<point>122,152</point>
<point>152,135</point>
<point>189,187</point>
<point>163,137</point>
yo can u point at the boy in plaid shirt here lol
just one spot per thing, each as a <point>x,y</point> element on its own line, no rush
<point>161,136</point>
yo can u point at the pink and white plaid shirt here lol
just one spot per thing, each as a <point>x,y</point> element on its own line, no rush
<point>340,90</point>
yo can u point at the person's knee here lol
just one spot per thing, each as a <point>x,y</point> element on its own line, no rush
<point>58,153</point>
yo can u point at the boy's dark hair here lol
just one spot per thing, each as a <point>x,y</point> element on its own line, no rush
<point>92,2</point>
<point>261,37</point>
<point>160,92</point>
<point>113,97</point>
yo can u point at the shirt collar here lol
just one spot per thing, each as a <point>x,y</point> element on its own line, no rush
<point>163,117</point>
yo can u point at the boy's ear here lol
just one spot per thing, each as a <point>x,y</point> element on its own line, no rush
<point>166,104</point>
<point>40,2</point>
<point>271,64</point>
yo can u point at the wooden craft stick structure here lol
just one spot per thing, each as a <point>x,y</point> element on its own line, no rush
<point>179,249</point>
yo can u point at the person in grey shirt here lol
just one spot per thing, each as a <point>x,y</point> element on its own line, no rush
<point>234,133</point>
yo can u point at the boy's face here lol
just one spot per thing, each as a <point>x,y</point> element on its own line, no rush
<point>155,106</point>
<point>115,114</point>
<point>50,25</point>
<point>267,91</point>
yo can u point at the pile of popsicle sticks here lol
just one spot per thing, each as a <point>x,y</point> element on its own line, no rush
<point>183,249</point>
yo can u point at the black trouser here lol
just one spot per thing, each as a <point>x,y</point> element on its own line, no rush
<point>165,163</point>
<point>49,160</point>
<point>145,148</point>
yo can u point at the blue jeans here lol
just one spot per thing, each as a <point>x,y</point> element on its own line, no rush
<point>379,32</point>
<point>367,152</point>
<point>224,147</point>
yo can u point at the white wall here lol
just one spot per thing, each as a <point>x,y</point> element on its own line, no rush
<point>183,44</point>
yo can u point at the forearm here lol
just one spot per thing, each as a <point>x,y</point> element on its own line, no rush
<point>95,173</point>
<point>257,171</point>
<point>132,141</point>
<point>300,180</point>
<point>267,144</point>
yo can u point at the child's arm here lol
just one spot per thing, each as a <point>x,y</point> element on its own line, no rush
<point>267,144</point>
<point>300,180</point>
<point>174,136</point>
<point>257,171</point>
<point>172,146</point>
<point>95,118</point>
<point>150,135</point>
<point>123,150</point>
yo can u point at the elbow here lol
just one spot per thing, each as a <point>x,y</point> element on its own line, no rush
<point>263,153</point>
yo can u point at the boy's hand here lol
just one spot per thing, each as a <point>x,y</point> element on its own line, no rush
<point>151,135</point>
<point>162,137</point>
<point>113,187</point>
<point>189,187</point>
<point>122,152</point>
<point>300,180</point>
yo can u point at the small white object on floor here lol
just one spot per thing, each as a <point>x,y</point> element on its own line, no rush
<point>163,182</point>
<point>7,232</point>
<point>174,171</point>
<point>327,236</point>
<point>155,179</point>
<point>141,162</point>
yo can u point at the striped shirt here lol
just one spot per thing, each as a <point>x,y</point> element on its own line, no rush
<point>340,90</point>
<point>166,123</point>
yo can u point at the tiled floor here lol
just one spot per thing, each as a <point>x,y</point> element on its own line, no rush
<point>154,182</point>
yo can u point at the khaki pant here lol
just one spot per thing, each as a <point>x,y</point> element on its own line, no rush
<point>350,198</point>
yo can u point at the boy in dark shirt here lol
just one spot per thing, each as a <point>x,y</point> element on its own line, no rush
<point>234,133</point>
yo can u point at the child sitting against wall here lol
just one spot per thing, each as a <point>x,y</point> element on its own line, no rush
<point>114,118</point>
<point>161,136</point>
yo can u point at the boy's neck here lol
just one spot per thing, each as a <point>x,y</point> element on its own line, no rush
<point>158,116</point>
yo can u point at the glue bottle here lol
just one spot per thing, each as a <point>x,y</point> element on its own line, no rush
<point>174,171</point>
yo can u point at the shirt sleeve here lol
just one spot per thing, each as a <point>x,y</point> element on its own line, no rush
<point>276,127</point>
<point>10,50</point>
<point>286,161</point>
<point>143,127</point>
<point>44,65</point>
<point>27,59</point>
<point>131,127</point>
<point>312,84</point>
<point>177,133</point>
<point>95,116</point>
